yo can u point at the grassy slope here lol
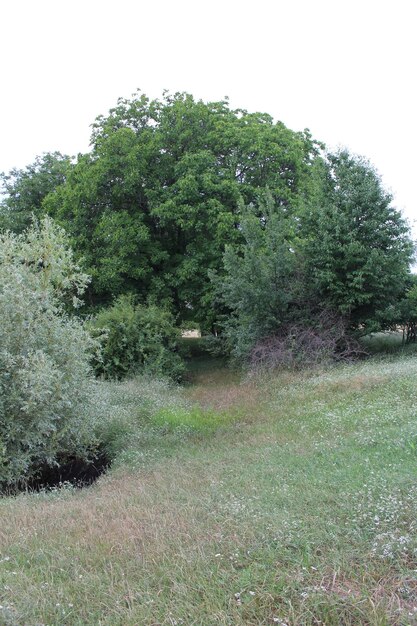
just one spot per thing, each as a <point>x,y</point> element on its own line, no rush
<point>298,507</point>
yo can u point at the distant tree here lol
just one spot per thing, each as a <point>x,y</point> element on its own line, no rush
<point>24,190</point>
<point>404,314</point>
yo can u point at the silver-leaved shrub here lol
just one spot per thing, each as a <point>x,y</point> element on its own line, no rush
<point>45,376</point>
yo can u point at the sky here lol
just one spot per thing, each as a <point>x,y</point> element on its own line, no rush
<point>345,69</point>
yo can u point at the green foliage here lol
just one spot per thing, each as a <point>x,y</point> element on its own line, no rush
<point>153,205</point>
<point>24,190</point>
<point>387,343</point>
<point>404,313</point>
<point>344,253</point>
<point>45,376</point>
<point>357,245</point>
<point>137,339</point>
<point>259,284</point>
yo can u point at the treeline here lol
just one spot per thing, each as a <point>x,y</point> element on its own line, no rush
<point>183,212</point>
<point>224,218</point>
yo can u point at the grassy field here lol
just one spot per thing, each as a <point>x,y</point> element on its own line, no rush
<point>283,500</point>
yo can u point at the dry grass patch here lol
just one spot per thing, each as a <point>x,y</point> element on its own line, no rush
<point>227,396</point>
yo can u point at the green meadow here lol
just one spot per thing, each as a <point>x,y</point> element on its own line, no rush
<point>288,498</point>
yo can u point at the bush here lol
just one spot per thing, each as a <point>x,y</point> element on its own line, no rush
<point>137,339</point>
<point>315,341</point>
<point>45,376</point>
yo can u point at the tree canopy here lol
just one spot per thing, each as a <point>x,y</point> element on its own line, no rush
<point>154,203</point>
<point>24,190</point>
<point>342,260</point>
<point>358,246</point>
<point>175,190</point>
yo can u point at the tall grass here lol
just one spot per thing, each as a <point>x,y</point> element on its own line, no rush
<point>289,500</point>
<point>388,343</point>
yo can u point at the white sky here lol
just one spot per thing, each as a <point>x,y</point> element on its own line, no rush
<point>346,69</point>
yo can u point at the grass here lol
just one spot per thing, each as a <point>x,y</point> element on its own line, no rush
<point>289,500</point>
<point>389,342</point>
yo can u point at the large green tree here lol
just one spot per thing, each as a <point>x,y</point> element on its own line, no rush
<point>357,245</point>
<point>309,279</point>
<point>154,203</point>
